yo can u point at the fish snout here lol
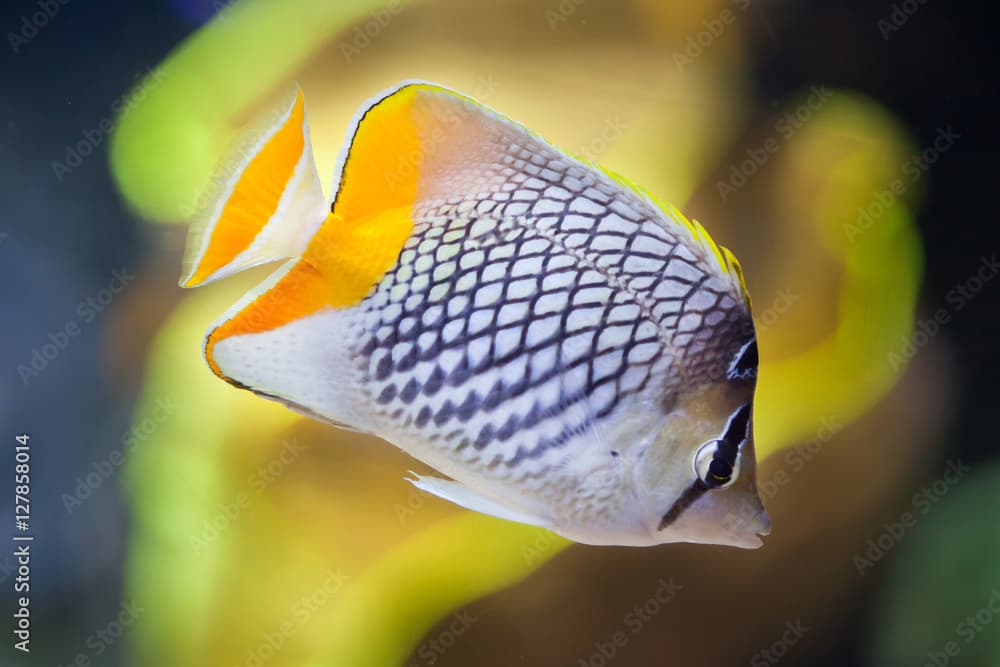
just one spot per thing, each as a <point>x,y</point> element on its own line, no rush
<point>733,516</point>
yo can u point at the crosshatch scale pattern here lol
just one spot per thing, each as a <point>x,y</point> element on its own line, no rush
<point>521,315</point>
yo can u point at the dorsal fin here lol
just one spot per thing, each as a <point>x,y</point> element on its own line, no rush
<point>422,142</point>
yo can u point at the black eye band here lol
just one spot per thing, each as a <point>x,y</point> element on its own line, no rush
<point>720,469</point>
<point>691,494</point>
<point>727,448</point>
<point>736,429</point>
<point>744,366</point>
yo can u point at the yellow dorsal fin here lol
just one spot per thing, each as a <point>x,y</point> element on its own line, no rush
<point>722,256</point>
<point>410,144</point>
<point>422,141</point>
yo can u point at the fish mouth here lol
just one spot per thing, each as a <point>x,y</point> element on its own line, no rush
<point>751,539</point>
<point>745,533</point>
<point>715,516</point>
<point>765,524</point>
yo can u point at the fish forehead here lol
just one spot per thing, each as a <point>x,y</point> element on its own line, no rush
<point>528,315</point>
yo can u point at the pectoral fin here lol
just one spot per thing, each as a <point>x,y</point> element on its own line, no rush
<point>464,496</point>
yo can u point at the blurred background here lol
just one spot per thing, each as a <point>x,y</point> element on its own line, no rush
<point>844,152</point>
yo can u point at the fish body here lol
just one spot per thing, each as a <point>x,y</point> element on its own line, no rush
<point>568,351</point>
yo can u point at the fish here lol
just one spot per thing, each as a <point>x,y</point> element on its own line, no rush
<point>566,350</point>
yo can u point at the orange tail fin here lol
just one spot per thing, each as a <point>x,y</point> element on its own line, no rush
<point>267,206</point>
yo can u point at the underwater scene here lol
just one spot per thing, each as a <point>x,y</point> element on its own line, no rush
<point>399,333</point>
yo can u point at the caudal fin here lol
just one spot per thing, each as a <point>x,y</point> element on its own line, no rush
<point>266,204</point>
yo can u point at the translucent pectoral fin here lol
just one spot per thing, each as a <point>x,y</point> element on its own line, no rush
<point>464,496</point>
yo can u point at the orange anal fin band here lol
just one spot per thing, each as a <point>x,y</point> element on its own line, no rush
<point>341,266</point>
<point>299,292</point>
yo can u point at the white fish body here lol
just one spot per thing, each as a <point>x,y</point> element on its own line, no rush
<point>569,352</point>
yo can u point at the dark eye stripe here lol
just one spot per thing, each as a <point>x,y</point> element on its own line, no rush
<point>728,447</point>
<point>736,429</point>
<point>720,469</point>
<point>691,494</point>
<point>719,472</point>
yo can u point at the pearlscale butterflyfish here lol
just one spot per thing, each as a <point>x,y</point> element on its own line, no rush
<point>569,351</point>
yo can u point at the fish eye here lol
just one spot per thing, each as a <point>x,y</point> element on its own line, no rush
<point>717,462</point>
<point>714,466</point>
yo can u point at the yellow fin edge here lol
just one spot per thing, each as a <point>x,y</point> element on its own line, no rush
<point>723,256</point>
